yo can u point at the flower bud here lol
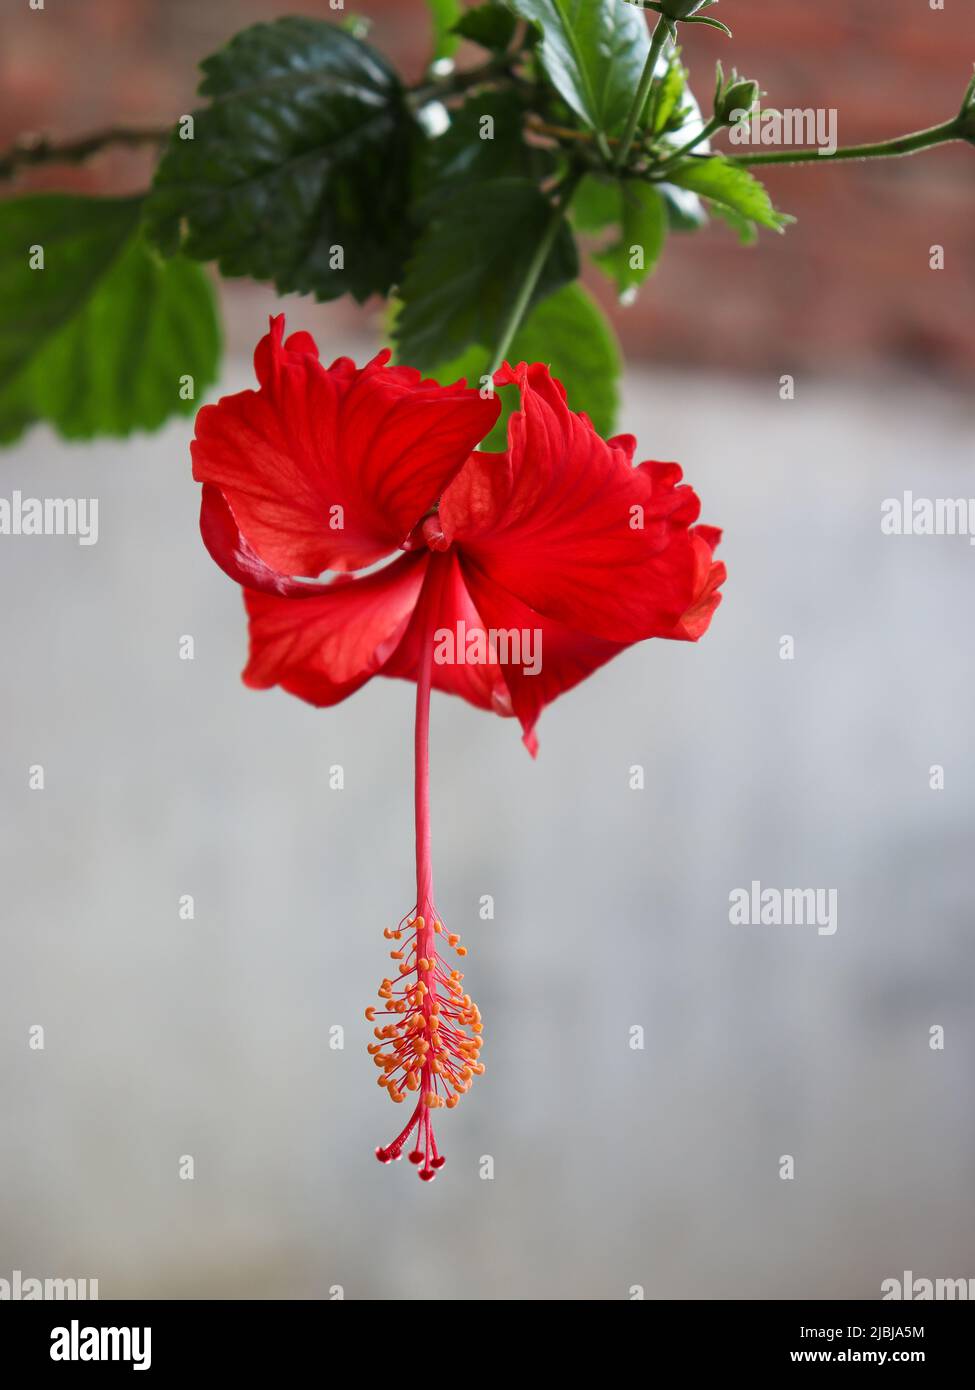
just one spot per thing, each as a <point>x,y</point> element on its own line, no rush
<point>675,11</point>
<point>682,9</point>
<point>739,95</point>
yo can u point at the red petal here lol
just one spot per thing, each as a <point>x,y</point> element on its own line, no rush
<point>565,657</point>
<point>222,538</point>
<point>482,684</point>
<point>332,468</point>
<point>710,576</point>
<point>324,647</point>
<point>553,521</point>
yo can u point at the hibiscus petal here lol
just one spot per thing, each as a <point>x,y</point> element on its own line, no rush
<point>325,646</point>
<point>481,683</point>
<point>565,522</point>
<point>710,576</point>
<point>562,656</point>
<point>332,468</point>
<point>235,556</point>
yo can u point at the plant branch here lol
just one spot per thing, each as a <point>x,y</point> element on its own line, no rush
<point>705,133</point>
<point>32,150</point>
<point>535,267</point>
<point>884,149</point>
<point>540,126</point>
<point>456,83</point>
<point>657,41</point>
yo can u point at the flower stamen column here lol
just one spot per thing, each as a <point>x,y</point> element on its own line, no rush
<point>429,1050</point>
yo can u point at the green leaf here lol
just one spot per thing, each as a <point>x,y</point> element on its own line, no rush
<point>712,24</point>
<point>595,203</point>
<point>101,340</point>
<point>470,264</point>
<point>669,93</point>
<point>491,26</point>
<point>675,124</point>
<point>484,141</point>
<point>444,14</point>
<point>643,224</point>
<point>685,211</point>
<point>730,186</point>
<point>746,231</point>
<point>569,333</point>
<point>594,52</point>
<point>641,213</point>
<point>684,120</point>
<point>299,168</point>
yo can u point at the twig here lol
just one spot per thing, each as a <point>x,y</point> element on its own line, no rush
<point>32,150</point>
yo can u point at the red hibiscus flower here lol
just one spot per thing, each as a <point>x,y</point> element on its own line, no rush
<point>519,573</point>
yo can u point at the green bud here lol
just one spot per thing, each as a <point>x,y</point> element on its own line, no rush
<point>686,11</point>
<point>736,97</point>
<point>682,9</point>
<point>675,12</point>
<point>732,94</point>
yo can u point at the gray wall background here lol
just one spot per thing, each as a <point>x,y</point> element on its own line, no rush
<point>613,1167</point>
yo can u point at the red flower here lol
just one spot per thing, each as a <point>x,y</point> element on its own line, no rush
<point>520,573</point>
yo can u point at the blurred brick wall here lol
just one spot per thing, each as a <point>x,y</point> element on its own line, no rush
<point>849,287</point>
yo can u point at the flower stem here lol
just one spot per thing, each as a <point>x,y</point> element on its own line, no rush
<point>657,41</point>
<point>704,133</point>
<point>884,149</point>
<point>421,746</point>
<point>535,267</point>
